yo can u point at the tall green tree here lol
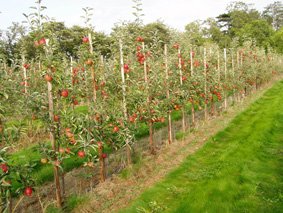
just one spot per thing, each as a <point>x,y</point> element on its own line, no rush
<point>195,32</point>
<point>277,40</point>
<point>273,13</point>
<point>260,31</point>
<point>214,34</point>
<point>10,39</point>
<point>238,14</point>
<point>157,32</point>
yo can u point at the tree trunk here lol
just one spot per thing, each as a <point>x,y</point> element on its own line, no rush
<point>54,147</point>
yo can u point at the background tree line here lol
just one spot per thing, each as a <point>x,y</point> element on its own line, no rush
<point>238,24</point>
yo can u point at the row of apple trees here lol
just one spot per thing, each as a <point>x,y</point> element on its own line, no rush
<point>90,104</point>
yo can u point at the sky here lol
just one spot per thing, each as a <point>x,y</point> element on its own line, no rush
<point>174,13</point>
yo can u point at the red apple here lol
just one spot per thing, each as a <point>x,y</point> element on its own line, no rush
<point>48,78</point>
<point>102,83</point>
<point>89,61</point>
<point>139,39</point>
<point>196,63</point>
<point>4,168</point>
<point>26,66</point>
<point>104,155</point>
<point>56,118</point>
<point>75,102</point>
<point>42,41</point>
<point>81,154</point>
<point>126,66</point>
<point>176,107</point>
<point>28,191</point>
<point>116,129</point>
<point>132,119</point>
<point>64,93</point>
<point>85,39</point>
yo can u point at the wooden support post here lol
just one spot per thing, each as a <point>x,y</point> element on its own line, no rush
<point>205,84</point>
<point>225,75</point>
<point>191,59</point>
<point>167,93</point>
<point>150,123</point>
<point>181,84</point>
<point>124,102</point>
<point>192,74</point>
<point>25,74</point>
<point>52,137</point>
<point>92,68</point>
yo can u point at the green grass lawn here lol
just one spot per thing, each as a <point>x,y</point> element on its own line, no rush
<point>240,169</point>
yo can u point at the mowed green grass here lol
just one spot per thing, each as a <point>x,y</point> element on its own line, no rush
<point>238,170</point>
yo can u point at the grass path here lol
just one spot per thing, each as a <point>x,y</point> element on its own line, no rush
<point>240,169</point>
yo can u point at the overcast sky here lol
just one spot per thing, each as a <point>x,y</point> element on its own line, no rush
<point>175,13</point>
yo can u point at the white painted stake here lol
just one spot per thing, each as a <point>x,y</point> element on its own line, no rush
<point>225,74</point>
<point>205,84</point>
<point>192,74</point>
<point>124,99</point>
<point>181,83</point>
<point>168,94</point>
<point>25,74</point>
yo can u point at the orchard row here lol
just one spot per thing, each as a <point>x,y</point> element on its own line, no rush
<point>140,84</point>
